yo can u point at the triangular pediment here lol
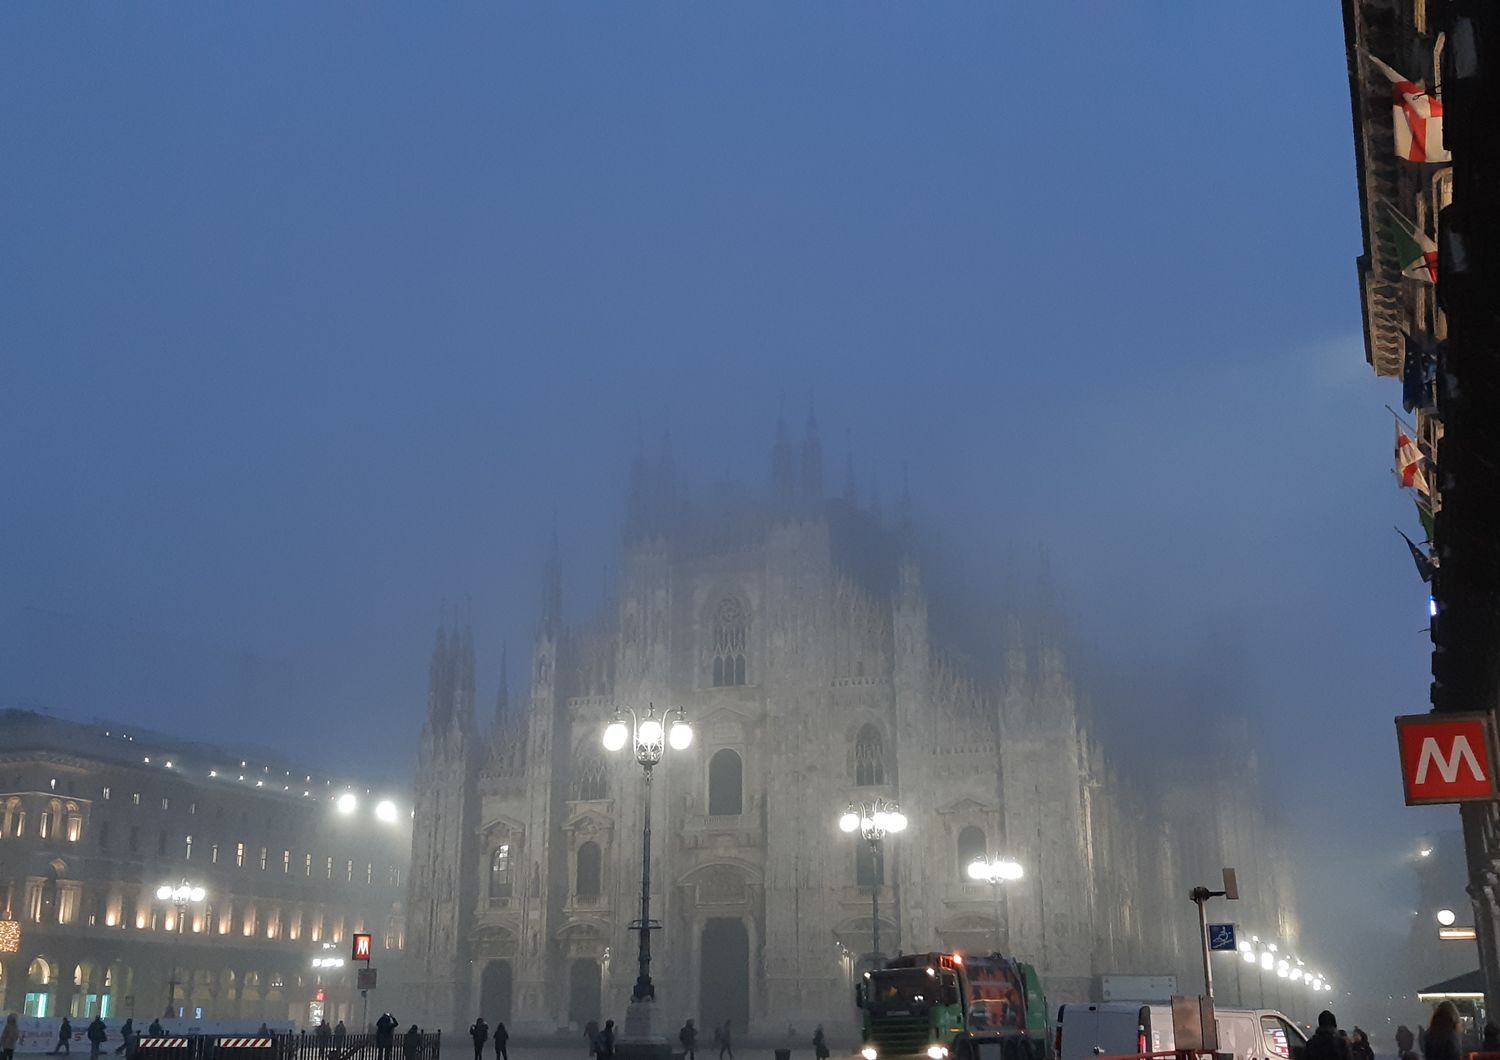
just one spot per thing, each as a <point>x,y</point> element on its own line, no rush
<point>588,819</point>
<point>501,823</point>
<point>965,806</point>
<point>584,929</point>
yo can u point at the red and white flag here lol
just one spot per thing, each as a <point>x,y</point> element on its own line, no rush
<point>1409,462</point>
<point>1418,119</point>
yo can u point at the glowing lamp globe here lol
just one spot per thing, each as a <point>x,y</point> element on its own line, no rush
<point>849,821</point>
<point>978,870</point>
<point>896,821</point>
<point>1446,917</point>
<point>615,735</point>
<point>197,894</point>
<point>347,803</point>
<point>385,810</point>
<point>163,893</point>
<point>650,731</point>
<point>680,736</point>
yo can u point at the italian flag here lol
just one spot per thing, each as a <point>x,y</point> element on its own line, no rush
<point>1417,117</point>
<point>1417,252</point>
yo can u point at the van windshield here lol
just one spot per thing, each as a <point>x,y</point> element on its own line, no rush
<point>902,992</point>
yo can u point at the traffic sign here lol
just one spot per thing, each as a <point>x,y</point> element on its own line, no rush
<point>1446,758</point>
<point>363,947</point>
<point>1221,938</point>
<point>365,978</point>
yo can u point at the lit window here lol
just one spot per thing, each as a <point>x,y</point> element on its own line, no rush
<point>239,855</point>
<point>869,758</point>
<point>349,872</point>
<point>369,873</point>
<point>330,866</point>
<point>262,859</point>
<point>188,856</point>
<point>213,853</point>
<point>106,793</point>
<point>500,882</point>
<point>135,798</point>
<point>307,865</point>
<point>166,803</point>
<point>286,861</point>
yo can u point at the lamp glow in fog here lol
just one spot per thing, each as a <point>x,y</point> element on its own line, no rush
<point>649,731</point>
<point>347,803</point>
<point>680,736</point>
<point>615,735</point>
<point>849,822</point>
<point>385,810</point>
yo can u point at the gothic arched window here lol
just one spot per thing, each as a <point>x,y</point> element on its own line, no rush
<point>970,849</point>
<point>869,758</point>
<point>726,775</point>
<point>586,884</point>
<point>731,638</point>
<point>589,780</point>
<point>500,872</point>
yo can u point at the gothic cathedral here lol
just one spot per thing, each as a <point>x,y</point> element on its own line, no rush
<point>793,628</point>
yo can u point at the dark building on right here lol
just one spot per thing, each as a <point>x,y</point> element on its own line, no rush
<point>1426,105</point>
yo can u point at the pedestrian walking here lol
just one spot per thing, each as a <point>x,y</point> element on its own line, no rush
<point>156,1030</point>
<point>1406,1044</point>
<point>820,1044</point>
<point>125,1034</point>
<point>411,1044</point>
<point>502,1040</point>
<point>385,1035</point>
<point>688,1036</point>
<point>723,1037</point>
<point>1359,1045</point>
<point>606,1047</point>
<point>479,1031</point>
<point>591,1035</point>
<point>10,1037</point>
<point>133,1045</point>
<point>64,1038</point>
<point>97,1036</point>
<point>1325,1044</point>
<point>1442,1035</point>
<point>322,1036</point>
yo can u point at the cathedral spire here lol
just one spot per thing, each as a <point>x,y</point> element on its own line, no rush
<point>638,505</point>
<point>903,505</point>
<point>463,675</point>
<point>438,669</point>
<point>851,487</point>
<point>812,461</point>
<point>502,698</point>
<point>552,589</point>
<point>664,489</point>
<point>783,489</point>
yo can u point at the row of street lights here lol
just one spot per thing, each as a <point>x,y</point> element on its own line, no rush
<point>1267,957</point>
<point>649,738</point>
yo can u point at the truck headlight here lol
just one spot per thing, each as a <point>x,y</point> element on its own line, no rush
<point>868,1052</point>
<point>937,1052</point>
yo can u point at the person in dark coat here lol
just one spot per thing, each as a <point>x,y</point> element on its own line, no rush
<point>726,1041</point>
<point>606,1047</point>
<point>97,1036</point>
<point>65,1038</point>
<point>411,1044</point>
<point>480,1032</point>
<point>156,1030</point>
<point>1442,1035</point>
<point>591,1035</point>
<point>1406,1044</point>
<point>1359,1045</point>
<point>1325,1044</point>
<point>820,1044</point>
<point>688,1036</point>
<point>502,1039</point>
<point>124,1036</point>
<point>385,1035</point>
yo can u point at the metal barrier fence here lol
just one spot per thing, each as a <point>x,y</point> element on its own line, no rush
<point>301,1046</point>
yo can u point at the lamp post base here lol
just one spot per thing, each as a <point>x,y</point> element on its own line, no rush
<point>643,1038</point>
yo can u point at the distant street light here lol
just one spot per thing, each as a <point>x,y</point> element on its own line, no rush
<point>181,895</point>
<point>996,871</point>
<point>874,821</point>
<point>346,803</point>
<point>385,810</point>
<point>1446,917</point>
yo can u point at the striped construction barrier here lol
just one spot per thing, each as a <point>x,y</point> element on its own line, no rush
<point>165,1043</point>
<point>245,1043</point>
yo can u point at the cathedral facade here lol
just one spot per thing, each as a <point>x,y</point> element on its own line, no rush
<point>793,629</point>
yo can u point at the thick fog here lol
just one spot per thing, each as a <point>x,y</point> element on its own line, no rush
<point>315,316</point>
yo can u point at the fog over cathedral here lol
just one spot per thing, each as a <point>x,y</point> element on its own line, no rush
<point>796,629</point>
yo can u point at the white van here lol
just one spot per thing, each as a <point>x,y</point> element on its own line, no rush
<point>1124,1028</point>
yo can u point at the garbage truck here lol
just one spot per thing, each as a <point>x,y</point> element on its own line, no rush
<point>953,1006</point>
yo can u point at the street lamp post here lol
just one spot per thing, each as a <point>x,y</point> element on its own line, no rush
<point>182,895</point>
<point>996,871</point>
<point>874,821</point>
<point>649,739</point>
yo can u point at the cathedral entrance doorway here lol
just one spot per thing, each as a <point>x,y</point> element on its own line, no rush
<point>724,976</point>
<point>494,991</point>
<point>584,999</point>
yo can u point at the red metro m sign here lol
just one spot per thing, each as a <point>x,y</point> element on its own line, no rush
<point>362,947</point>
<point>1446,758</point>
